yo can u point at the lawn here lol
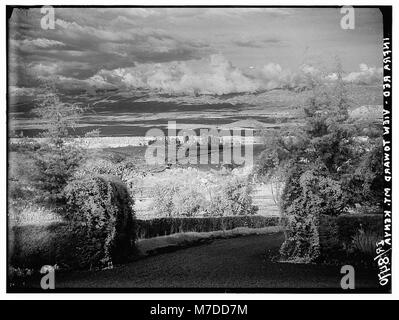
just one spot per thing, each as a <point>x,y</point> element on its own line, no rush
<point>233,264</point>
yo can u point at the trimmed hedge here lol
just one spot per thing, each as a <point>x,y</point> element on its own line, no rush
<point>98,229</point>
<point>100,214</point>
<point>32,246</point>
<point>165,226</point>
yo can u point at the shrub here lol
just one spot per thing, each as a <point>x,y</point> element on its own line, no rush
<point>35,245</point>
<point>320,160</point>
<point>188,202</point>
<point>329,238</point>
<point>125,170</point>
<point>122,169</point>
<point>163,199</point>
<point>364,242</point>
<point>32,246</point>
<point>305,199</point>
<point>349,238</point>
<point>349,225</point>
<point>192,193</point>
<point>236,197</point>
<point>55,166</point>
<point>99,210</point>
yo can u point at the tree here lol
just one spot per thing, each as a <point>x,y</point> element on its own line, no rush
<point>320,160</point>
<point>58,156</point>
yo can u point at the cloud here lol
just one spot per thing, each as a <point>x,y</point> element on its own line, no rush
<point>239,12</point>
<point>31,44</point>
<point>252,43</point>
<point>106,38</point>
<point>21,91</point>
<point>366,75</point>
<point>213,75</point>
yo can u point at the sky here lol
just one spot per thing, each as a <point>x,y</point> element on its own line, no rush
<point>191,50</point>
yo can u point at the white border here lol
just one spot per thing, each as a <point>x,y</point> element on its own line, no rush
<point>196,296</point>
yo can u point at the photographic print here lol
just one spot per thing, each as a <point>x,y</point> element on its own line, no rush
<point>199,149</point>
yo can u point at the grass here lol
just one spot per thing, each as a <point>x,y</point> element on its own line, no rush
<point>184,239</point>
<point>236,264</point>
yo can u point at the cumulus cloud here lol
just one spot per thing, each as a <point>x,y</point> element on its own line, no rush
<point>366,75</point>
<point>213,75</point>
<point>46,69</point>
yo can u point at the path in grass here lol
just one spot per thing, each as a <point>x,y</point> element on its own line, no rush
<point>225,263</point>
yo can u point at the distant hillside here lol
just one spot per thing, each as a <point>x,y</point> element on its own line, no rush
<point>244,124</point>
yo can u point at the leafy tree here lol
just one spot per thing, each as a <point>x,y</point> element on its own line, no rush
<point>59,155</point>
<point>327,169</point>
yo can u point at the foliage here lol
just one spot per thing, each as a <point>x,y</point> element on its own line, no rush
<point>163,199</point>
<point>34,245</point>
<point>57,117</point>
<point>188,201</point>
<point>192,193</point>
<point>367,181</point>
<point>124,169</point>
<point>349,224</point>
<point>53,160</point>
<point>327,168</point>
<point>99,210</point>
<point>307,195</point>
<point>349,238</point>
<point>364,242</point>
<point>234,198</point>
<point>55,166</point>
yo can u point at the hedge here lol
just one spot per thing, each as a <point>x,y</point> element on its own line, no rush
<point>99,211</point>
<point>165,226</point>
<point>97,230</point>
<point>32,246</point>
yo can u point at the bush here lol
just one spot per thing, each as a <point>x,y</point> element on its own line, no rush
<point>99,210</point>
<point>165,226</point>
<point>192,193</point>
<point>35,245</point>
<point>307,195</point>
<point>32,246</point>
<point>364,243</point>
<point>349,225</point>
<point>163,199</point>
<point>329,238</point>
<point>349,238</point>
<point>234,199</point>
<point>125,170</point>
<point>321,161</point>
<point>188,201</point>
<point>55,166</point>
